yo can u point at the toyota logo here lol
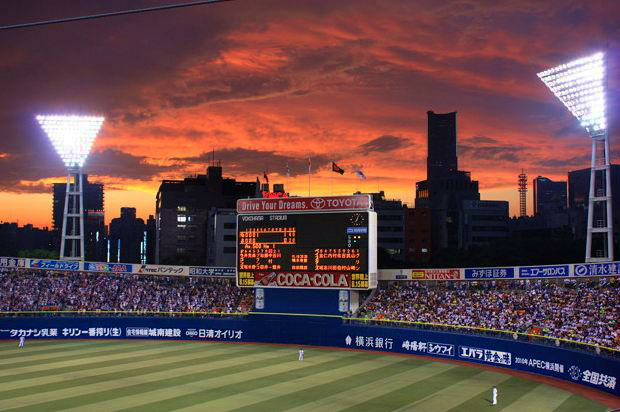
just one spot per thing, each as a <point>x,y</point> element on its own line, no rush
<point>317,203</point>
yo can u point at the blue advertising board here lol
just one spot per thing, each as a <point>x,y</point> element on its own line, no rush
<point>544,271</point>
<point>108,267</point>
<point>597,269</point>
<point>583,368</point>
<point>54,264</point>
<point>490,273</point>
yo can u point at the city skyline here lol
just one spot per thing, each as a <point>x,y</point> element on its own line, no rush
<point>267,86</point>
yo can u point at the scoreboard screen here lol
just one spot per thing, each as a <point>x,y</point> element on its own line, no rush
<point>307,250</point>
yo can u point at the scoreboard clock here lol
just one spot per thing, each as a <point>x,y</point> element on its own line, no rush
<point>308,247</point>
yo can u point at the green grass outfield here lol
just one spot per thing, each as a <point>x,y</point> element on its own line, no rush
<point>155,376</point>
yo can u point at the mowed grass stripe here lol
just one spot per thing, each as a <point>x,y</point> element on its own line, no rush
<point>406,395</point>
<point>542,398</point>
<point>56,367</point>
<point>577,403</point>
<point>42,347</point>
<point>33,353</point>
<point>290,394</point>
<point>117,378</point>
<point>123,384</point>
<point>194,386</point>
<point>343,360</point>
<point>453,395</point>
<point>82,353</point>
<point>508,392</point>
<point>125,362</point>
<point>372,388</point>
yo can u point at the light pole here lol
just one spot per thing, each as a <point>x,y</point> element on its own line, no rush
<point>580,85</point>
<point>72,137</point>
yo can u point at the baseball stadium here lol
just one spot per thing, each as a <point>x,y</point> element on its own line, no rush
<point>266,336</point>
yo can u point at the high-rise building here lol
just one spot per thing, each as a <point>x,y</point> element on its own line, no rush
<point>182,213</point>
<point>446,187</point>
<point>151,233</point>
<point>127,235</point>
<point>95,240</point>
<point>441,160</point>
<point>549,196</point>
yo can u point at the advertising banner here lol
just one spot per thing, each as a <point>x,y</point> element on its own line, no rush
<point>304,204</point>
<point>544,271</point>
<point>108,267</point>
<point>304,280</point>
<point>161,270</point>
<point>9,262</point>
<point>490,273</point>
<point>435,274</point>
<point>589,369</point>
<point>54,264</point>
<point>222,272</point>
<point>597,269</point>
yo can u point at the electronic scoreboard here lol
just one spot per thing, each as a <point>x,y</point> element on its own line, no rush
<point>307,249</point>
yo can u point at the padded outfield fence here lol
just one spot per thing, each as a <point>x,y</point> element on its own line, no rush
<point>527,353</point>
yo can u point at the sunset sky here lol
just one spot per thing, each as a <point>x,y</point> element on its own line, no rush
<point>264,83</point>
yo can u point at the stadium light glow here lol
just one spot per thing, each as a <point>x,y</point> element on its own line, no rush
<point>72,136</point>
<point>579,85</point>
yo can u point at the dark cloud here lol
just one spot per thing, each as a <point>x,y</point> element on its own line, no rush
<point>382,144</point>
<point>487,148</point>
<point>248,162</point>
<point>115,163</point>
<point>22,173</point>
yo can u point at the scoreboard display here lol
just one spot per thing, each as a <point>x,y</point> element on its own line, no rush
<point>307,250</point>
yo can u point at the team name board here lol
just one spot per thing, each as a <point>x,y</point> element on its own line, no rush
<point>326,247</point>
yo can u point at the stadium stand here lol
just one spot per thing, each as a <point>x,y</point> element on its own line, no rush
<point>35,290</point>
<point>585,311</point>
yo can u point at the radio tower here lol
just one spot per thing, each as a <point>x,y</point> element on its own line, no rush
<point>522,194</point>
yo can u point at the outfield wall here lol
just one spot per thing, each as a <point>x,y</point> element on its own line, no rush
<point>576,367</point>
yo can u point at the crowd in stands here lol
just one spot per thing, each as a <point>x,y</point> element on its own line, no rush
<point>33,290</point>
<point>584,311</point>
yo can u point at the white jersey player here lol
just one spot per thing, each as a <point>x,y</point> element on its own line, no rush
<point>21,341</point>
<point>301,354</point>
<point>495,395</point>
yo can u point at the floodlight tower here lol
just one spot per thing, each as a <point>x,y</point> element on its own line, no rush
<point>580,85</point>
<point>72,137</point>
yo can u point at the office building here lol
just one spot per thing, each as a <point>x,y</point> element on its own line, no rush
<point>127,234</point>
<point>222,237</point>
<point>446,187</point>
<point>483,222</point>
<point>182,213</point>
<point>549,196</point>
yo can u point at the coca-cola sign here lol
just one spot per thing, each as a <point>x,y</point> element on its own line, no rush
<point>305,204</point>
<point>320,280</point>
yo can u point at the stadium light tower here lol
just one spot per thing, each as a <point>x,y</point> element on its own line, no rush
<point>580,85</point>
<point>72,137</point>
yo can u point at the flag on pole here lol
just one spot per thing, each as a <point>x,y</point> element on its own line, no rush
<point>288,170</point>
<point>360,174</point>
<point>337,169</point>
<point>309,166</point>
<point>266,177</point>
